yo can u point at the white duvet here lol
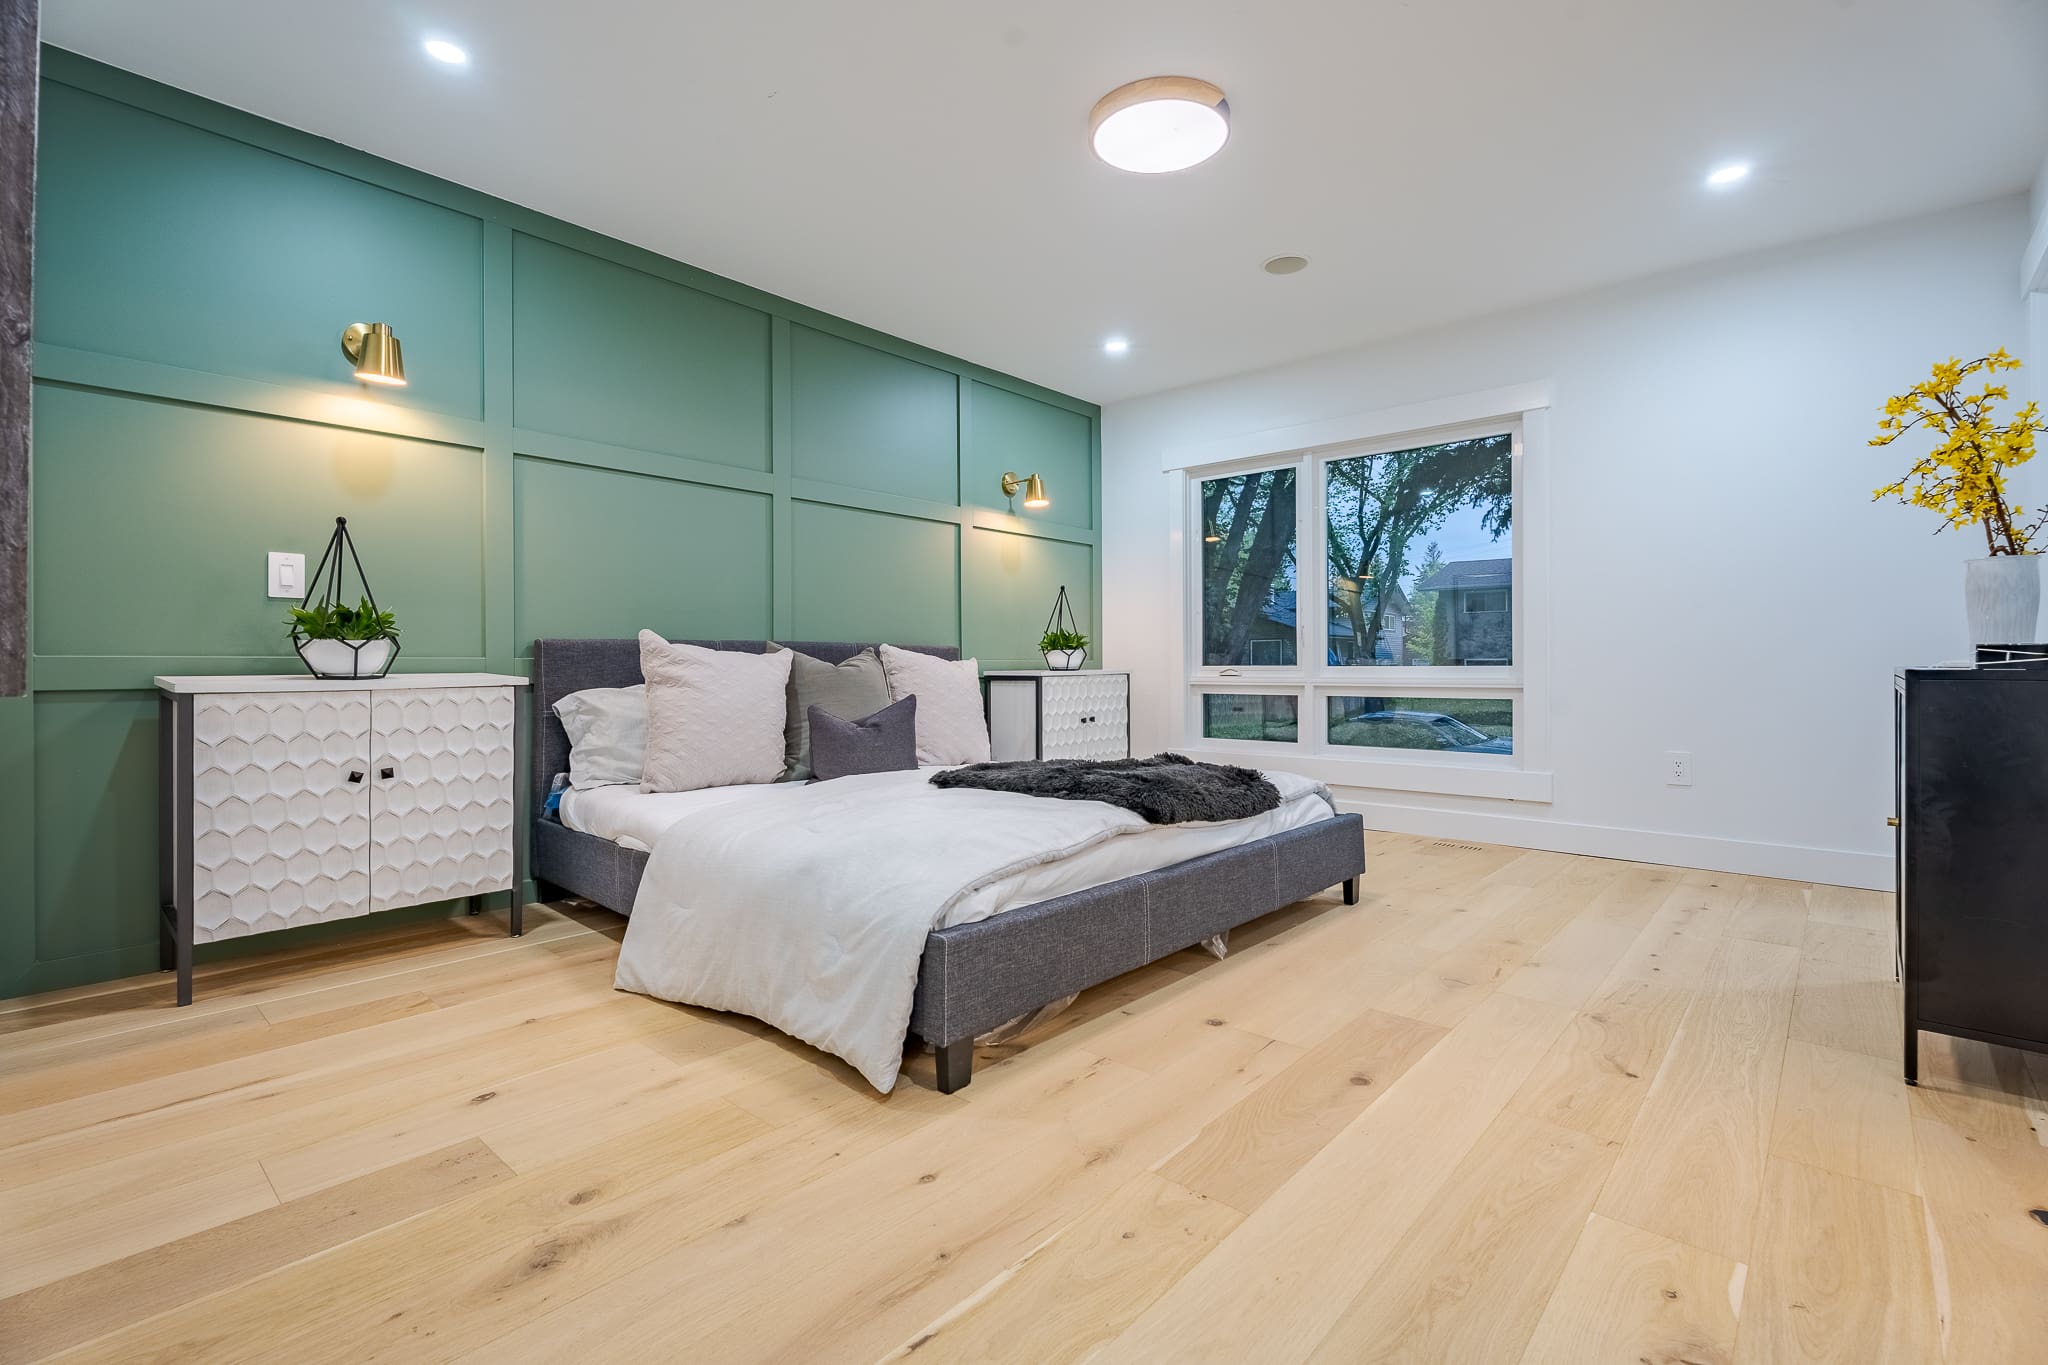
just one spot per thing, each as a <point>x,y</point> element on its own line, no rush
<point>808,906</point>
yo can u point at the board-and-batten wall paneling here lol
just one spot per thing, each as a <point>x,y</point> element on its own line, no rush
<point>594,439</point>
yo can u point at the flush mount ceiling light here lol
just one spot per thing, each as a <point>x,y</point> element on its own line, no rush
<point>1285,265</point>
<point>1159,124</point>
<point>1734,173</point>
<point>374,352</point>
<point>441,50</point>
<point>1115,346</point>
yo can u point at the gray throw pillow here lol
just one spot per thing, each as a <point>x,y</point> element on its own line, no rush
<point>850,690</point>
<point>885,742</point>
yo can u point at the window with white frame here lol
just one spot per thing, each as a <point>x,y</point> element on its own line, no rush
<point>1362,600</point>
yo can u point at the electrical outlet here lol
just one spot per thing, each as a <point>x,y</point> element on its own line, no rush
<point>1677,769</point>
<point>287,574</point>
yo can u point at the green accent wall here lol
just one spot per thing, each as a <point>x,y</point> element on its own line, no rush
<point>594,439</point>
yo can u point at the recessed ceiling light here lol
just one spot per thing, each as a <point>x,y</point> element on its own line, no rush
<point>1721,177</point>
<point>1286,265</point>
<point>1115,346</point>
<point>1162,123</point>
<point>441,50</point>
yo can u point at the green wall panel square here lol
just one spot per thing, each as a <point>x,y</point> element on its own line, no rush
<point>161,242</point>
<point>95,788</point>
<point>867,419</point>
<point>1008,586</point>
<point>875,576</point>
<point>152,520</point>
<point>1008,432</point>
<point>603,554</point>
<point>606,353</point>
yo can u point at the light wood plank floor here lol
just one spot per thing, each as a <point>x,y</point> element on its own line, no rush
<point>1513,1107</point>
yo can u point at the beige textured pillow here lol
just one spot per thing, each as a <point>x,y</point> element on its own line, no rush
<point>950,724</point>
<point>714,716</point>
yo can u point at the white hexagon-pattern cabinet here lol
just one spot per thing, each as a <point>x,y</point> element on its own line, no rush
<point>1075,714</point>
<point>290,801</point>
<point>441,824</point>
<point>280,811</point>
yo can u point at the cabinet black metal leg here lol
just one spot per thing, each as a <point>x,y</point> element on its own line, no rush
<point>518,912</point>
<point>1351,890</point>
<point>956,1065</point>
<point>1912,1054</point>
<point>476,904</point>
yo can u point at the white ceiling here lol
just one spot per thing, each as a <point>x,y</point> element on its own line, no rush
<point>922,166</point>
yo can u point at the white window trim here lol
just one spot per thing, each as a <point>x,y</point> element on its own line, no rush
<point>1523,776</point>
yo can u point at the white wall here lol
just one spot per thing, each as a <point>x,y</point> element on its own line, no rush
<point>1721,581</point>
<point>2034,276</point>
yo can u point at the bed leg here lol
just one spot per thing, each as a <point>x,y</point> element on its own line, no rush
<point>956,1065</point>
<point>1351,890</point>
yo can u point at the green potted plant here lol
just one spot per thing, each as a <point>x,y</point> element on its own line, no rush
<point>340,641</point>
<point>1064,650</point>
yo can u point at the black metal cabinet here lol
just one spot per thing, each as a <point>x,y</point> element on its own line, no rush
<point>1972,854</point>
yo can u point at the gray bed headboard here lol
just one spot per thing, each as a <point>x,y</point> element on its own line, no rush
<point>564,666</point>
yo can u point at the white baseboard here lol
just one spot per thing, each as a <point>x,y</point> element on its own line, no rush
<point>1834,866</point>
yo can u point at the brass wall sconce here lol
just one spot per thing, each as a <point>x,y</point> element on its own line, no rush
<point>1034,490</point>
<point>373,350</point>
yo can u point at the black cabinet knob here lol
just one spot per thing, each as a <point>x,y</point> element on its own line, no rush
<point>355,776</point>
<point>387,773</point>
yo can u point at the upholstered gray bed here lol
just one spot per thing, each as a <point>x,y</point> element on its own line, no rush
<point>974,976</point>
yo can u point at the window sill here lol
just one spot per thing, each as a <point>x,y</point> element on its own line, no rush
<point>1441,779</point>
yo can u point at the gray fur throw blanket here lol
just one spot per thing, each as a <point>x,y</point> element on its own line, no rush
<point>1166,789</point>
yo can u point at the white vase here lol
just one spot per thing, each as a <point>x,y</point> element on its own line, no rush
<point>2003,596</point>
<point>334,658</point>
<point>1065,660</point>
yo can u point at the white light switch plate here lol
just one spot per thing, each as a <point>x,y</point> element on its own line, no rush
<point>287,574</point>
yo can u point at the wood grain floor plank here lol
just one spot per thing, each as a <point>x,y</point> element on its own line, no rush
<point>1630,1297</point>
<point>1770,911</point>
<point>238,1034</point>
<point>1986,1241</point>
<point>57,1245</point>
<point>1595,1076</point>
<point>1275,1286</point>
<point>1847,1007</point>
<point>1845,1112</point>
<point>1261,1141</point>
<point>1979,1089</point>
<point>476,1268</point>
<point>1693,1164</point>
<point>1507,1219</point>
<point>1840,1273</point>
<point>85,1306</point>
<point>1678,942</point>
<point>1082,1287</point>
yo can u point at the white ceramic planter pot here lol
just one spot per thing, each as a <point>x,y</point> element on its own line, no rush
<point>2003,596</point>
<point>334,659</point>
<point>1065,660</point>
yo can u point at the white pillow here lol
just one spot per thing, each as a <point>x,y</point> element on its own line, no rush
<point>714,716</point>
<point>950,724</point>
<point>607,735</point>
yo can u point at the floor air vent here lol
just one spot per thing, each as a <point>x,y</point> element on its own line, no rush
<point>1462,848</point>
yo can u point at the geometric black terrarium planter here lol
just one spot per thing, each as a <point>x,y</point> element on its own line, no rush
<point>1063,646</point>
<point>333,639</point>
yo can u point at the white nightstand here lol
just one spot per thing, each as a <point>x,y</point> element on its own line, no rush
<point>297,800</point>
<point>1044,714</point>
